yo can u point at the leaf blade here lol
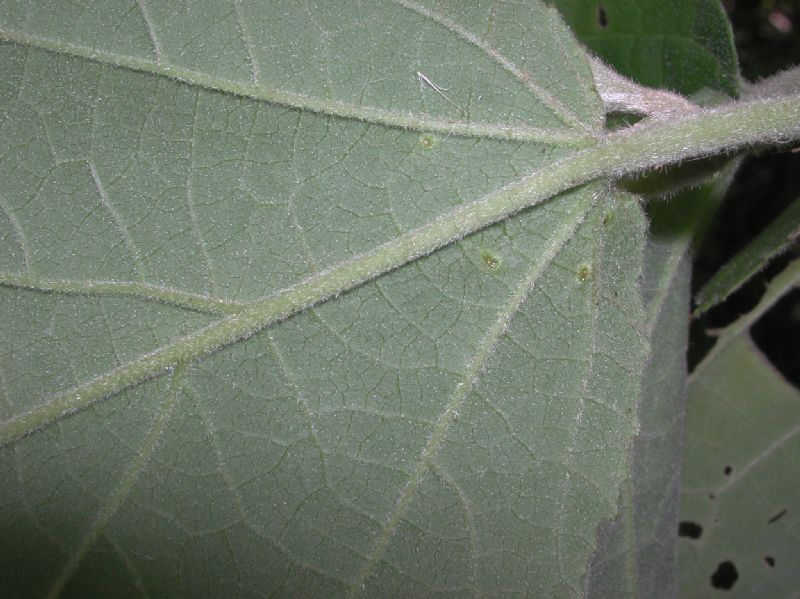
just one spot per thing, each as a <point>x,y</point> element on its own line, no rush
<point>292,444</point>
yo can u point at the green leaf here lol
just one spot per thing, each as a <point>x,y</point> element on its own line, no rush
<point>636,558</point>
<point>772,241</point>
<point>685,45</point>
<point>180,182</point>
<point>638,549</point>
<point>740,462</point>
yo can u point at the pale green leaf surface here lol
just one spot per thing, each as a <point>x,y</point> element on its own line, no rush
<point>771,242</point>
<point>458,426</point>
<point>740,465</point>
<point>638,550</point>
<point>740,477</point>
<point>637,553</point>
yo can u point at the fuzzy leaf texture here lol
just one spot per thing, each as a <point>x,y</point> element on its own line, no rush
<point>662,44</point>
<point>457,426</point>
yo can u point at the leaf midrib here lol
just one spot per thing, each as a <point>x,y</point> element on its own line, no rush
<point>360,113</point>
<point>621,153</point>
<point>263,313</point>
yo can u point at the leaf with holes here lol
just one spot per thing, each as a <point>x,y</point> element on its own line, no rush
<point>740,492</point>
<point>684,45</point>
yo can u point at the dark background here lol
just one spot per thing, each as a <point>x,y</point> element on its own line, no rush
<point>767,36</point>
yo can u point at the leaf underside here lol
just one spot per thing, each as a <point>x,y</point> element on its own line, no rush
<point>457,426</point>
<point>684,46</point>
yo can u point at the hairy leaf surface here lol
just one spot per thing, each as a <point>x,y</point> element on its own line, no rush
<point>686,48</point>
<point>171,173</point>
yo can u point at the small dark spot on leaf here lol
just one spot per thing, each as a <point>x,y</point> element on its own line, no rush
<point>711,496</point>
<point>602,18</point>
<point>769,560</point>
<point>607,219</point>
<point>725,576</point>
<point>728,470</point>
<point>777,517</point>
<point>690,529</point>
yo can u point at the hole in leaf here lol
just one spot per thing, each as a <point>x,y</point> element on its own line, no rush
<point>725,576</point>
<point>728,470</point>
<point>602,18</point>
<point>777,517</point>
<point>769,560</point>
<point>690,529</point>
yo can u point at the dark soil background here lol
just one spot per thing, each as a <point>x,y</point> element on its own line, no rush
<point>767,35</point>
